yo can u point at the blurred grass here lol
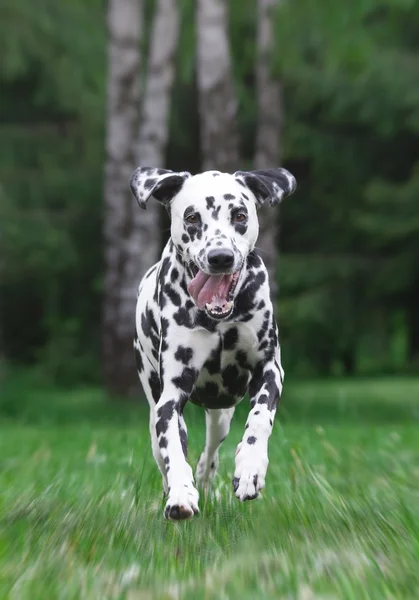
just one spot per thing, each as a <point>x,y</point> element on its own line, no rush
<point>81,506</point>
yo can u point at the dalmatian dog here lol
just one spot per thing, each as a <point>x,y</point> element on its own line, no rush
<point>205,327</point>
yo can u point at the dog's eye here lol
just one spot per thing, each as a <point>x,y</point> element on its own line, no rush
<point>192,219</point>
<point>240,217</point>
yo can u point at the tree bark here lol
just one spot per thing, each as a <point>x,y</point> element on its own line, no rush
<point>121,216</point>
<point>154,129</point>
<point>217,101</point>
<point>269,130</point>
<point>132,236</point>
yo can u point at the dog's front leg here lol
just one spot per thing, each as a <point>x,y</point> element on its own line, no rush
<point>252,452</point>
<point>182,356</point>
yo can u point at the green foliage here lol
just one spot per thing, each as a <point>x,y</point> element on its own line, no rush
<point>349,249</point>
<point>51,165</point>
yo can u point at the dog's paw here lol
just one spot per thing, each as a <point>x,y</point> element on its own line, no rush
<point>250,473</point>
<point>182,503</point>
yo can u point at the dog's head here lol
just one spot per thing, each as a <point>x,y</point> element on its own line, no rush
<point>214,223</point>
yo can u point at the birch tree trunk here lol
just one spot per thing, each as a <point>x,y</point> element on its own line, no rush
<point>269,130</point>
<point>154,129</point>
<point>217,101</point>
<point>132,236</point>
<point>122,248</point>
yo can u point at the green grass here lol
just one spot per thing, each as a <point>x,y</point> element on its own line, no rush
<point>81,501</point>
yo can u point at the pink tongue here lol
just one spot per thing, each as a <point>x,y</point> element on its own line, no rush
<point>209,289</point>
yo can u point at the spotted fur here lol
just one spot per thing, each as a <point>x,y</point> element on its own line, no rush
<point>183,353</point>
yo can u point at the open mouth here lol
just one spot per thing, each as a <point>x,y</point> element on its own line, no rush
<point>214,293</point>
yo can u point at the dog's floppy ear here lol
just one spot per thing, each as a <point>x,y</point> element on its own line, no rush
<point>159,183</point>
<point>268,185</point>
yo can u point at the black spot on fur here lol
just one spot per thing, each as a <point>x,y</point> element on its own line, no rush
<point>262,331</point>
<point>213,364</point>
<point>230,376</point>
<point>154,383</point>
<point>172,294</point>
<point>183,355</point>
<point>186,380</point>
<point>164,329</point>
<point>183,317</point>
<point>165,266</point>
<point>256,382</point>
<point>164,414</point>
<point>229,197</point>
<point>265,379</point>
<point>210,202</point>
<point>230,339</point>
<point>210,390</point>
<point>174,275</point>
<point>251,439</point>
<point>163,443</point>
<point>194,231</point>
<point>215,213</point>
<point>241,228</point>
<point>138,357</point>
<point>149,326</point>
<point>185,238</point>
<point>184,289</point>
<point>253,260</point>
<point>242,360</point>
<point>183,440</point>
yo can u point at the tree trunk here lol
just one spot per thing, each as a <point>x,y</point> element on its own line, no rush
<point>132,235</point>
<point>268,137</point>
<point>217,101</point>
<point>154,129</point>
<point>122,247</point>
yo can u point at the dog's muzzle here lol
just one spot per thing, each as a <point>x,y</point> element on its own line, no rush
<point>214,292</point>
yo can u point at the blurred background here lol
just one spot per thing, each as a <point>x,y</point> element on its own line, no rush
<point>89,90</point>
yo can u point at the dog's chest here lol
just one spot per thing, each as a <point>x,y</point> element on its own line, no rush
<point>225,376</point>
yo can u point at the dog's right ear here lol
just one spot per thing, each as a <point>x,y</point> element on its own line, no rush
<point>159,183</point>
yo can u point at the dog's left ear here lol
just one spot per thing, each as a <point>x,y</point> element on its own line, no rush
<point>268,185</point>
<point>162,184</point>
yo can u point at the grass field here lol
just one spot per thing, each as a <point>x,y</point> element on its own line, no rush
<point>81,506</point>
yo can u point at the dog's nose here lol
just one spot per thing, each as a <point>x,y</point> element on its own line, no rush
<point>220,259</point>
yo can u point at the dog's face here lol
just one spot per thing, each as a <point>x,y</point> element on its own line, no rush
<point>214,224</point>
